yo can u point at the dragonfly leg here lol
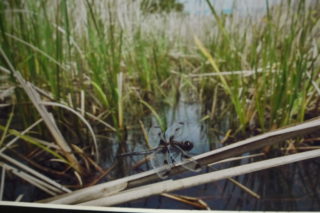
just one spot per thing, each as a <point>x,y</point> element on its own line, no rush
<point>190,163</point>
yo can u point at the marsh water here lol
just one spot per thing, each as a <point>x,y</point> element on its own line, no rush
<point>293,187</point>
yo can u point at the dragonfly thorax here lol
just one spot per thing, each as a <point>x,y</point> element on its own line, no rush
<point>186,145</point>
<point>173,148</point>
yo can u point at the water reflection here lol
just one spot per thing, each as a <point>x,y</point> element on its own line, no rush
<point>192,130</point>
<point>294,187</point>
<point>174,145</point>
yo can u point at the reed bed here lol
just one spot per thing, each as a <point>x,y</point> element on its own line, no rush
<point>88,69</point>
<point>64,46</point>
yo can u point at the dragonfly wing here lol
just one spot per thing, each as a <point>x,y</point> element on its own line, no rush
<point>175,130</point>
<point>187,161</point>
<point>174,155</point>
<point>159,162</point>
<point>154,136</point>
<point>190,164</point>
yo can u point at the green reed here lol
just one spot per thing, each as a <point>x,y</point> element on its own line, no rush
<point>119,61</point>
<point>42,42</point>
<point>282,50</point>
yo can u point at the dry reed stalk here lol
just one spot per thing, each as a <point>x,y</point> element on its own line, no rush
<point>49,120</point>
<point>195,202</point>
<point>46,116</point>
<point>5,70</point>
<point>84,194</point>
<point>33,172</point>
<point>237,183</point>
<point>28,159</point>
<point>95,143</point>
<point>19,198</point>
<point>82,101</point>
<point>244,188</point>
<point>172,185</point>
<point>100,121</point>
<point>32,180</point>
<point>102,175</point>
<point>3,175</point>
<point>223,153</point>
<point>237,158</point>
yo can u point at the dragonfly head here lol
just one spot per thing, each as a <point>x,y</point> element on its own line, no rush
<point>162,142</point>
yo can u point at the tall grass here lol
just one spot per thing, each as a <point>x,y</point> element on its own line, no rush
<point>284,44</point>
<point>67,45</point>
<point>106,58</point>
<point>122,57</point>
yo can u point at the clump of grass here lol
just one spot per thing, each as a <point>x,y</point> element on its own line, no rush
<point>93,56</point>
<point>66,45</point>
<point>282,45</point>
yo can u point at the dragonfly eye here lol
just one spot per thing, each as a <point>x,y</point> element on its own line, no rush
<point>162,142</point>
<point>187,145</point>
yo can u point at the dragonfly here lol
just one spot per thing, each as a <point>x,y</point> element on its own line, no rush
<point>173,148</point>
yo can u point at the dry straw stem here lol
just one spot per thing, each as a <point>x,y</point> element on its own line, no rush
<point>82,119</point>
<point>89,193</point>
<point>3,175</point>
<point>172,185</point>
<point>237,183</point>
<point>49,121</point>
<point>33,172</point>
<point>145,134</point>
<point>33,180</point>
<point>237,158</point>
<point>245,73</point>
<point>46,116</point>
<point>195,202</point>
<point>19,198</point>
<point>244,188</point>
<point>223,153</point>
<point>100,121</point>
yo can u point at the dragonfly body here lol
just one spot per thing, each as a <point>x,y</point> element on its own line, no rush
<point>172,148</point>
